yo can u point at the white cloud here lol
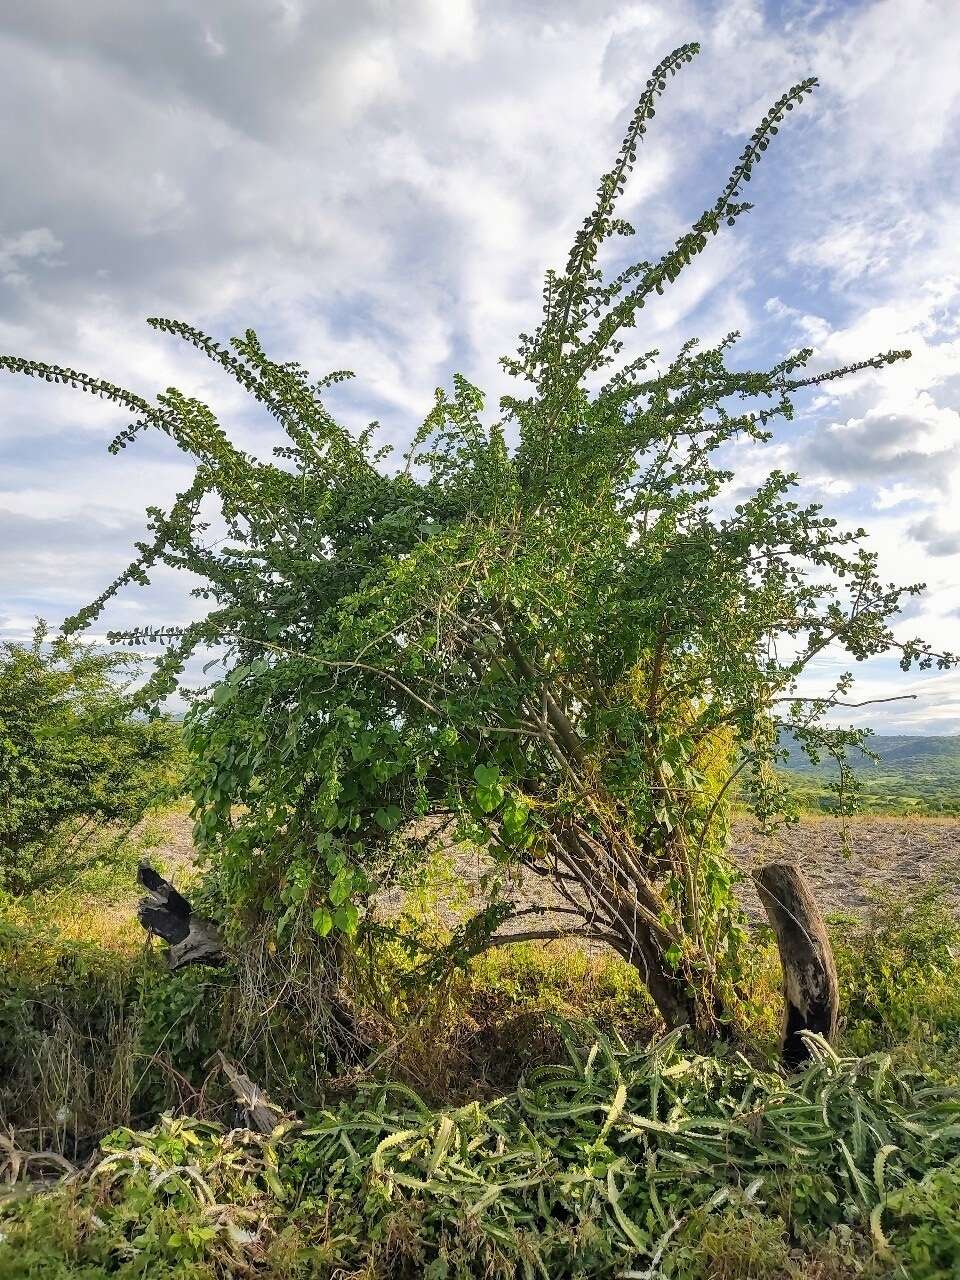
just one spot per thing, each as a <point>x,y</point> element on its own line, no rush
<point>36,247</point>
<point>883,445</point>
<point>891,66</point>
<point>938,540</point>
<point>855,247</point>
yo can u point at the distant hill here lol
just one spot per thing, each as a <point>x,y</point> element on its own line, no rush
<point>904,750</point>
<point>915,774</point>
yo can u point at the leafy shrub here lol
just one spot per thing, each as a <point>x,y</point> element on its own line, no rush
<point>540,627</point>
<point>899,970</point>
<point>67,1034</point>
<point>485,1023</point>
<point>183,1021</point>
<point>102,1030</point>
<point>78,769</point>
<point>97,1033</point>
<point>925,1235</point>
<point>94,1030</point>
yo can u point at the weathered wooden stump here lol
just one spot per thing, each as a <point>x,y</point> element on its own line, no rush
<point>192,939</point>
<point>262,1115</point>
<point>810,988</point>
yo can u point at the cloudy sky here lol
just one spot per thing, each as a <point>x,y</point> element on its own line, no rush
<point>379,185</point>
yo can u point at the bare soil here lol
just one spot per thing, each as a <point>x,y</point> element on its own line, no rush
<point>845,864</point>
<point>900,855</point>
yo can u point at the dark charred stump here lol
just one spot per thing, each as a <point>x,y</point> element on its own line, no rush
<point>192,939</point>
<point>810,988</point>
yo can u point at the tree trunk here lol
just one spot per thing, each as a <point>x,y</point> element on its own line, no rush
<point>810,988</point>
<point>192,939</point>
<point>261,1115</point>
<point>667,988</point>
<point>603,880</point>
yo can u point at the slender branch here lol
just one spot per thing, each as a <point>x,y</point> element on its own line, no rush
<point>868,702</point>
<point>552,935</point>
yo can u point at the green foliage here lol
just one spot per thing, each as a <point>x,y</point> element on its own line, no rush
<point>78,768</point>
<point>181,1023</point>
<point>67,1033</point>
<point>95,1031</point>
<point>487,1022</point>
<point>539,628</point>
<point>899,969</point>
<point>146,1235</point>
<point>926,1235</point>
<point>609,1163</point>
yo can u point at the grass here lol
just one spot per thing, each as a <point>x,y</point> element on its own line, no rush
<point>883,795</point>
<point>915,775</point>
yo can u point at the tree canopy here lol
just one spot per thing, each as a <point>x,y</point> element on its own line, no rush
<point>78,766</point>
<point>546,631</point>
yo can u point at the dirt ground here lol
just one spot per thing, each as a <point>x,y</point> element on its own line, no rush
<point>898,854</point>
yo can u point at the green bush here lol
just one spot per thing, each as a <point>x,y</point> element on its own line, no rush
<point>543,628</point>
<point>899,969</point>
<point>67,1030</point>
<point>95,1032</point>
<point>925,1229</point>
<point>78,769</point>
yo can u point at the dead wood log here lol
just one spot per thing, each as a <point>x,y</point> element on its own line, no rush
<point>192,939</point>
<point>262,1115</point>
<point>16,1164</point>
<point>810,987</point>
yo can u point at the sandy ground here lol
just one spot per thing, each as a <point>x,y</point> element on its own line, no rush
<point>901,855</point>
<point>898,854</point>
<point>171,842</point>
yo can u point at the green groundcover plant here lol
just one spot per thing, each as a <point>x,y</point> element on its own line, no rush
<point>614,1163</point>
<point>78,766</point>
<point>548,632</point>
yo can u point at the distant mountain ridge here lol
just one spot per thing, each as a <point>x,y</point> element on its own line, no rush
<point>914,774</point>
<point>904,750</point>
